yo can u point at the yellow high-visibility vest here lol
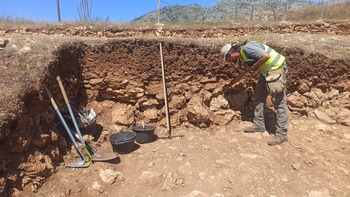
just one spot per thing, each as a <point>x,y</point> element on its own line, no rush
<point>273,63</point>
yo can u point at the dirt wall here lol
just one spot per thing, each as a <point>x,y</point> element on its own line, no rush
<point>33,141</point>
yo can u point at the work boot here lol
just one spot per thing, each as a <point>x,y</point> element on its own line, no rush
<point>254,128</point>
<point>278,139</point>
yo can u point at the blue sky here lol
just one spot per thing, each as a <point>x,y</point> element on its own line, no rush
<point>114,10</point>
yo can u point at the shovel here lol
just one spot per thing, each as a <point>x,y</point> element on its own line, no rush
<point>99,156</point>
<point>82,118</point>
<point>73,117</point>
<point>95,156</point>
<point>77,164</point>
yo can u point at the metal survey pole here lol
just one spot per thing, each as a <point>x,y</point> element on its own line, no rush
<point>322,10</point>
<point>159,32</point>
<point>165,92</point>
<point>58,10</point>
<point>158,10</point>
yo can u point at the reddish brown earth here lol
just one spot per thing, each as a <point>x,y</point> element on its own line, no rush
<point>117,72</point>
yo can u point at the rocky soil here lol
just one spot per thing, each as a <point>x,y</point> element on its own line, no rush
<point>116,71</point>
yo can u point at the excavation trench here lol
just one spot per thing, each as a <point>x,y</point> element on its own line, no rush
<point>122,81</point>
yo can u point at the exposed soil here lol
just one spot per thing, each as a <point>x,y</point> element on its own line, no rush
<point>121,79</point>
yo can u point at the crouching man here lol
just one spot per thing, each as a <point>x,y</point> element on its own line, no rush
<point>255,56</point>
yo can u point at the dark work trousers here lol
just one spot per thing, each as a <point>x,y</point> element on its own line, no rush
<point>279,101</point>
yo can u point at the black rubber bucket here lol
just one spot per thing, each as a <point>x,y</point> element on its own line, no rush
<point>144,134</point>
<point>123,142</point>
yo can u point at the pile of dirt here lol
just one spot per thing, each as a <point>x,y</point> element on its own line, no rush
<point>121,79</point>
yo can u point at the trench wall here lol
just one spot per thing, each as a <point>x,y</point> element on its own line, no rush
<point>127,73</point>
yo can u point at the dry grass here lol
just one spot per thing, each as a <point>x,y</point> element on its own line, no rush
<point>330,12</point>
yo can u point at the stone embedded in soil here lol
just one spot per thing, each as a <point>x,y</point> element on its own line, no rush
<point>109,176</point>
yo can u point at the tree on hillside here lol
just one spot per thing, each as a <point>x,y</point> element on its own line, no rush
<point>279,7</point>
<point>84,10</point>
<point>273,5</point>
<point>245,5</point>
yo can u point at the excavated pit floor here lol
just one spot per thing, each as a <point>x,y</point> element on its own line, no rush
<point>210,160</point>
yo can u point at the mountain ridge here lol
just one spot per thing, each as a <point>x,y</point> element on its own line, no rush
<point>223,10</point>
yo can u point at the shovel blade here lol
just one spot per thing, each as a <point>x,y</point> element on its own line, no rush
<point>104,156</point>
<point>78,164</point>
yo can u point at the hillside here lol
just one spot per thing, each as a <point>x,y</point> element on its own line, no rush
<point>221,11</point>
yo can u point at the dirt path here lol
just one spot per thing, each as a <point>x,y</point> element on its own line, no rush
<point>221,161</point>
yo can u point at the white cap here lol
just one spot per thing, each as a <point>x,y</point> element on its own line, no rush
<point>224,50</point>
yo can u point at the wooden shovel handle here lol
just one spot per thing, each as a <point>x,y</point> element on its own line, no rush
<point>62,89</point>
<point>51,99</point>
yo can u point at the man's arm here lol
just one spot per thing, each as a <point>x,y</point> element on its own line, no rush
<point>234,81</point>
<point>264,57</point>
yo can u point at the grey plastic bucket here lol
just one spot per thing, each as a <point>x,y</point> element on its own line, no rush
<point>123,142</point>
<point>144,134</point>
